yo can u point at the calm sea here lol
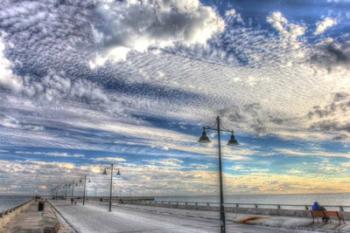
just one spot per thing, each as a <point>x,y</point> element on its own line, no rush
<point>290,199</point>
<point>7,202</point>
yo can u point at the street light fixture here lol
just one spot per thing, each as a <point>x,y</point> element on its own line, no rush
<point>204,138</point>
<point>84,194</point>
<point>111,184</point>
<point>233,141</point>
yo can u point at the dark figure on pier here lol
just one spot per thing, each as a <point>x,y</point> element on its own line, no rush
<point>318,207</point>
<point>72,201</point>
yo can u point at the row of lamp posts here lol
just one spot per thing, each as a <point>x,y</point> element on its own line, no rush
<point>110,169</point>
<point>203,139</point>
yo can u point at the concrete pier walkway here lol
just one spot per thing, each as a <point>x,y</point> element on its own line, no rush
<point>96,219</point>
<point>30,220</point>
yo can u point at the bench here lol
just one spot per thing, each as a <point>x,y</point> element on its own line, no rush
<point>327,214</point>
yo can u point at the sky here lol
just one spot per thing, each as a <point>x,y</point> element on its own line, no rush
<point>86,83</point>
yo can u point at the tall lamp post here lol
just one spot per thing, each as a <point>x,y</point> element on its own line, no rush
<point>111,184</point>
<point>84,195</point>
<point>66,191</point>
<point>205,139</point>
<point>72,184</point>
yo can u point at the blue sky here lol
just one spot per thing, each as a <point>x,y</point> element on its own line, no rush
<point>87,83</point>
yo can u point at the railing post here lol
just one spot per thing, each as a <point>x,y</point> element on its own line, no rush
<point>208,204</point>
<point>278,207</point>
<point>256,206</point>
<point>341,208</point>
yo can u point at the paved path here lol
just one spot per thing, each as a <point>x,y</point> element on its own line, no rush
<point>31,220</point>
<point>96,219</point>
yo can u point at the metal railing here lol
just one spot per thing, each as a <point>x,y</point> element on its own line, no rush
<point>241,205</point>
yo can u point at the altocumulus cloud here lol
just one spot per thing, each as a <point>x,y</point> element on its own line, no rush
<point>90,74</point>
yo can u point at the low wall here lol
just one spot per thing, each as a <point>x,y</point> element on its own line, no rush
<point>7,215</point>
<point>258,209</point>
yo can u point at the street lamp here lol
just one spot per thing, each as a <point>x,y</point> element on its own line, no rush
<point>205,139</point>
<point>85,194</point>
<point>111,184</point>
<point>72,185</point>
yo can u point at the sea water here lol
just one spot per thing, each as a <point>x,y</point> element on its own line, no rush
<point>7,202</point>
<point>342,199</point>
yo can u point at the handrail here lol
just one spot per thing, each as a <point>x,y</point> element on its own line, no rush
<point>239,205</point>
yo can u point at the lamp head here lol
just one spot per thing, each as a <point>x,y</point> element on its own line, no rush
<point>233,141</point>
<point>204,138</point>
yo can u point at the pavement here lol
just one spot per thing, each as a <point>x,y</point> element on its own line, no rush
<point>31,220</point>
<point>94,218</point>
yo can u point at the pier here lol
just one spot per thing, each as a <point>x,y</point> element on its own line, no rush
<point>147,216</point>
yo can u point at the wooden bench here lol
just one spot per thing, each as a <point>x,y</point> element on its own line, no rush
<point>327,214</point>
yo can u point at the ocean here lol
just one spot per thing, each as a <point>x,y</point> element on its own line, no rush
<point>7,202</point>
<point>274,199</point>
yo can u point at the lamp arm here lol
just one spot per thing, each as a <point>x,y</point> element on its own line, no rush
<point>214,129</point>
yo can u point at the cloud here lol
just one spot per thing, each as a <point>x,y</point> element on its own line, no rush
<point>333,117</point>
<point>289,31</point>
<point>132,25</point>
<point>57,86</point>
<point>110,159</point>
<point>167,163</point>
<point>332,55</point>
<point>151,105</point>
<point>324,25</point>
<point>51,154</point>
<point>8,79</point>
<point>13,123</point>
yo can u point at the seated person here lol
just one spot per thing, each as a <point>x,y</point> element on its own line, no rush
<point>318,207</point>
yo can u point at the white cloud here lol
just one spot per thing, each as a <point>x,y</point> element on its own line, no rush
<point>8,79</point>
<point>133,25</point>
<point>110,159</point>
<point>51,154</point>
<point>166,163</point>
<point>290,31</point>
<point>231,13</point>
<point>324,25</point>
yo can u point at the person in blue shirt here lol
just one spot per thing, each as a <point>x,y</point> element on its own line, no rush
<point>318,207</point>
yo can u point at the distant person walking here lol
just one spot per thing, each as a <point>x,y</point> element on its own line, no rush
<point>72,201</point>
<point>318,207</point>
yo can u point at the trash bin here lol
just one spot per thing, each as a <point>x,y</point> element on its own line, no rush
<point>41,206</point>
